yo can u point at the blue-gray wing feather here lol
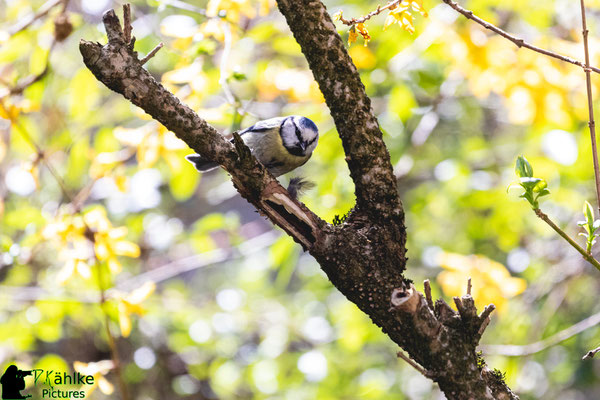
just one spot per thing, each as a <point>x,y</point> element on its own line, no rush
<point>263,126</point>
<point>203,165</point>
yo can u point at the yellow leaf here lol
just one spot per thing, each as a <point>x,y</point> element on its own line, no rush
<point>492,282</point>
<point>121,181</point>
<point>105,386</point>
<point>124,320</point>
<point>114,265</point>
<point>101,249</point>
<point>362,29</point>
<point>338,15</point>
<point>390,20</point>
<point>127,249</point>
<point>352,35</point>
<point>142,293</point>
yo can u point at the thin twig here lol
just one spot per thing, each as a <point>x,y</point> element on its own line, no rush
<point>518,41</point>
<point>469,286</point>
<point>370,15</point>
<point>532,348</point>
<point>224,75</point>
<point>184,6</point>
<point>485,319</point>
<point>26,23</point>
<point>39,151</point>
<point>427,289</point>
<point>30,80</point>
<point>487,311</point>
<point>590,354</point>
<point>152,53</point>
<point>562,233</point>
<point>413,364</point>
<point>127,22</point>
<point>114,350</point>
<point>588,83</point>
<point>156,275</point>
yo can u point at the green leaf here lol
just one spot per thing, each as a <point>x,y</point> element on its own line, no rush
<point>522,168</point>
<point>540,186</point>
<point>529,182</point>
<point>239,76</point>
<point>544,192</point>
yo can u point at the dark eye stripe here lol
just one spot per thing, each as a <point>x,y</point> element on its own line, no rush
<point>298,133</point>
<point>312,141</point>
<point>282,123</point>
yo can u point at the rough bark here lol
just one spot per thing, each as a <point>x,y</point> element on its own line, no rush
<point>364,257</point>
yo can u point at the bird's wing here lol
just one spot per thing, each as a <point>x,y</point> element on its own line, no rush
<point>265,125</point>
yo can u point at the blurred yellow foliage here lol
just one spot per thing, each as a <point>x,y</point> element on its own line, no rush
<point>152,141</point>
<point>69,231</point>
<point>491,280</point>
<point>362,57</point>
<point>401,15</point>
<point>131,303</point>
<point>537,89</point>
<point>108,241</point>
<point>97,370</point>
<point>297,84</point>
<point>233,10</point>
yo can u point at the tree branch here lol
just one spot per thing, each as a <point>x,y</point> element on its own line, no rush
<point>588,84</point>
<point>518,41</point>
<point>118,67</point>
<point>344,92</point>
<point>532,348</point>
<point>365,256</point>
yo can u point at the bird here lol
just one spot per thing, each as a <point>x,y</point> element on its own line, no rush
<point>281,144</point>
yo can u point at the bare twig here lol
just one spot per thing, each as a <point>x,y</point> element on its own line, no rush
<point>588,83</point>
<point>563,234</point>
<point>590,354</point>
<point>427,289</point>
<point>156,275</point>
<point>30,80</point>
<point>39,151</point>
<point>152,53</point>
<point>182,5</point>
<point>42,12</point>
<point>370,15</point>
<point>485,319</point>
<point>532,348</point>
<point>518,41</point>
<point>413,364</point>
<point>114,350</point>
<point>127,22</point>
<point>224,76</point>
<point>469,286</point>
<point>487,311</point>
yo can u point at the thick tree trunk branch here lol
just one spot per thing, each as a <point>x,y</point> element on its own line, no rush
<point>364,257</point>
<point>117,66</point>
<point>344,92</point>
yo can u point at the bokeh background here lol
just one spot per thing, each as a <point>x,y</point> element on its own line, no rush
<point>104,227</point>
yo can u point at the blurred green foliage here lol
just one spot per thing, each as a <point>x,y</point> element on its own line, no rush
<point>238,310</point>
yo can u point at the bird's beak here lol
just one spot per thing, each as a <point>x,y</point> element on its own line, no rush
<point>303,146</point>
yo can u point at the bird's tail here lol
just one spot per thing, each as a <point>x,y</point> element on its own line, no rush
<point>201,164</point>
<point>298,186</point>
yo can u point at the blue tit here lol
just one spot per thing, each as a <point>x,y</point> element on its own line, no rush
<point>281,144</point>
